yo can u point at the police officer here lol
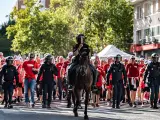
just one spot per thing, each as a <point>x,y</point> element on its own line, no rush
<point>9,73</point>
<point>78,49</point>
<point>152,74</point>
<point>117,70</point>
<point>47,70</point>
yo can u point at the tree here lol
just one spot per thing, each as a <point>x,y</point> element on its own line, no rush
<point>41,31</point>
<point>108,22</point>
<point>102,21</point>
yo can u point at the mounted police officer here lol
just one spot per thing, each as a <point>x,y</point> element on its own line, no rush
<point>47,70</point>
<point>78,49</point>
<point>117,70</point>
<point>9,73</point>
<point>151,76</point>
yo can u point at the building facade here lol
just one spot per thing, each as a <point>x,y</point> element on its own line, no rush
<point>44,3</point>
<point>146,33</point>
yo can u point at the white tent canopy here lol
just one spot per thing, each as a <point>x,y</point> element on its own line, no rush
<point>111,51</point>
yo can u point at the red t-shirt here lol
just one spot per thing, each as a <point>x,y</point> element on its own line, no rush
<point>140,66</point>
<point>59,67</point>
<point>28,65</point>
<point>100,77</point>
<point>106,67</point>
<point>66,63</point>
<point>132,70</point>
<point>141,72</point>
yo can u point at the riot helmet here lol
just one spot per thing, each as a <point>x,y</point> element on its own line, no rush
<point>48,58</point>
<point>118,58</point>
<point>155,57</point>
<point>9,60</point>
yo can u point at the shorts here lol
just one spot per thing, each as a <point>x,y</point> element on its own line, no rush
<point>97,91</point>
<point>146,89</point>
<point>20,85</point>
<point>14,86</point>
<point>131,87</point>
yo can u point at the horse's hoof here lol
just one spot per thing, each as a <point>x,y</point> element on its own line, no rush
<point>86,117</point>
<point>75,113</point>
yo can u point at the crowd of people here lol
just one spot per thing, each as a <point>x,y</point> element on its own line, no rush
<point>117,81</point>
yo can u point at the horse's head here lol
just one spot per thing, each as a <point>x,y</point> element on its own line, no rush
<point>83,62</point>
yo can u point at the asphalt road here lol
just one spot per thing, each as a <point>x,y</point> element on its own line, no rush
<point>60,112</point>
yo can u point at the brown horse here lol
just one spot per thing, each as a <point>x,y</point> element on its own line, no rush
<point>83,81</point>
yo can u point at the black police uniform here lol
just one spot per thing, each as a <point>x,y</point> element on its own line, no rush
<point>47,71</point>
<point>8,73</point>
<point>152,72</point>
<point>73,67</point>
<point>117,70</point>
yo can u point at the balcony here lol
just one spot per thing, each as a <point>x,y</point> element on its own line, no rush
<point>145,44</point>
<point>136,1</point>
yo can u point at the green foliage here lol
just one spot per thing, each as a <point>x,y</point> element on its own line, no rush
<point>53,30</point>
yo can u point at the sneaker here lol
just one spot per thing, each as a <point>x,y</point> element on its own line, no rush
<point>48,106</point>
<point>28,105</point>
<point>97,105</point>
<point>134,106</point>
<point>142,105</point>
<point>10,106</point>
<point>32,105</point>
<point>43,106</point>
<point>155,107</point>
<point>5,106</point>
<point>130,104</point>
<point>113,106</point>
<point>117,107</point>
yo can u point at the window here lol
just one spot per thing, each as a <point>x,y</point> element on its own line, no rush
<point>139,12</point>
<point>158,30</point>
<point>139,35</point>
<point>159,5</point>
<point>153,31</point>
<point>154,6</point>
<point>147,9</point>
<point>147,32</point>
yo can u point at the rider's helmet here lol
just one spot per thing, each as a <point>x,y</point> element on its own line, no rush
<point>118,58</point>
<point>80,38</point>
<point>155,57</point>
<point>9,60</point>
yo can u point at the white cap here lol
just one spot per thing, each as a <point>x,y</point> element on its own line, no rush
<point>70,54</point>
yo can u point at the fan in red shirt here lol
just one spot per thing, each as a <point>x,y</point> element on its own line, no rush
<point>144,87</point>
<point>98,83</point>
<point>31,69</point>
<point>18,64</point>
<point>125,62</point>
<point>140,66</point>
<point>133,74</point>
<point>60,76</point>
<point>109,88</point>
<point>68,61</point>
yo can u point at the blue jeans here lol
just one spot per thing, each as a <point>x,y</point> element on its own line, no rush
<point>29,85</point>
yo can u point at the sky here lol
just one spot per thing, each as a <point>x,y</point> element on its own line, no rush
<point>6,7</point>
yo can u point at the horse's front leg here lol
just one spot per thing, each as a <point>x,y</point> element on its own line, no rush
<point>77,97</point>
<point>86,105</point>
